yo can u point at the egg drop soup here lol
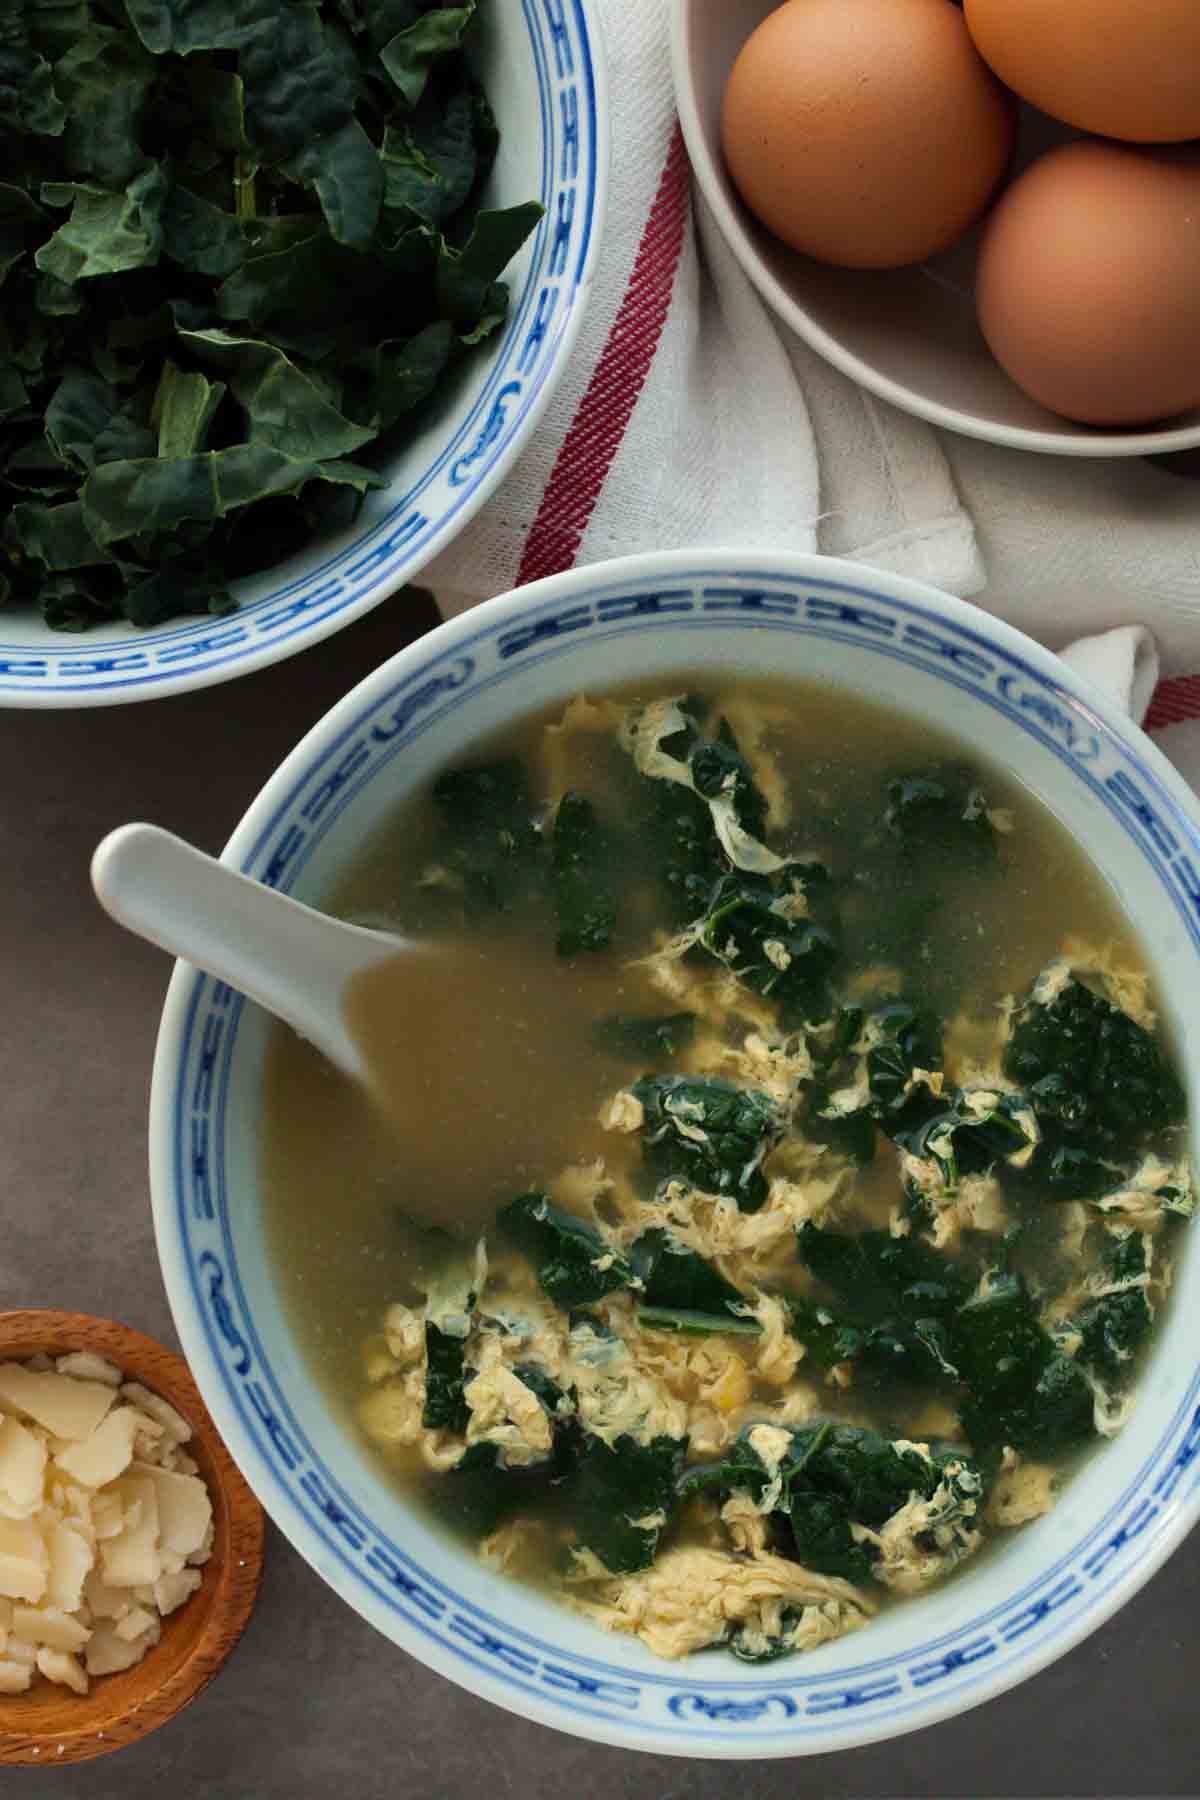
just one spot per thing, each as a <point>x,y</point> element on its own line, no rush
<point>779,1168</point>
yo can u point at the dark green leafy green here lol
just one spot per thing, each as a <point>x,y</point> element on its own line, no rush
<point>834,1477</point>
<point>1114,1325</point>
<point>257,229</point>
<point>965,1133</point>
<point>788,960</point>
<point>582,899</point>
<point>896,1301</point>
<point>619,1500</point>
<point>1097,1078</point>
<point>907,1038</point>
<point>676,820</point>
<point>678,1284</point>
<point>410,54</point>
<point>652,1039</point>
<point>709,1133</point>
<point>481,1491</point>
<point>575,1263</point>
<point>489,843</point>
<point>1023,1390</point>
<point>940,813</point>
<point>445,1407</point>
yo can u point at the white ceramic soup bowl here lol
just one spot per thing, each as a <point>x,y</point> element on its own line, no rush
<point>909,335</point>
<point>542,66</point>
<point>723,613</point>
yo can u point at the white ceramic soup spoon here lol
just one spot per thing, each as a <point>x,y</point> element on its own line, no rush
<point>295,962</point>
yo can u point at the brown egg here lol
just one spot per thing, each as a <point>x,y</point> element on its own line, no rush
<point>1088,285</point>
<point>1123,68</point>
<point>865,132</point>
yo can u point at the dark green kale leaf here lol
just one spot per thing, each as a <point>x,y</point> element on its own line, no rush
<point>578,857</point>
<point>965,1133</point>
<point>557,1404</point>
<point>909,1038</point>
<point>285,196</point>
<point>897,1298</point>
<point>748,1649</point>
<point>903,1038</point>
<point>575,1264</point>
<point>610,1495</point>
<point>850,1130</point>
<point>881,1275</point>
<point>833,1477</point>
<point>481,1492</point>
<point>1114,1325</point>
<point>718,767</point>
<point>787,960</point>
<point>709,1133</point>
<point>827,1339</point>
<point>680,1291</point>
<point>1023,1391</point>
<point>677,823</point>
<point>940,812</point>
<point>1092,1073</point>
<point>430,157</point>
<point>488,841</point>
<point>445,1408</point>
<point>652,1039</point>
<point>410,54</point>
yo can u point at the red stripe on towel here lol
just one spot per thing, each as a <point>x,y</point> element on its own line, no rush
<point>1172,702</point>
<point>604,412</point>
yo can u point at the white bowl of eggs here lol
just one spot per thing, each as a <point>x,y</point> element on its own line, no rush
<point>375,1388</point>
<point>988,215</point>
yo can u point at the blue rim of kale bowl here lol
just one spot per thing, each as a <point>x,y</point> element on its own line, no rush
<point>921,1662</point>
<point>297,604</point>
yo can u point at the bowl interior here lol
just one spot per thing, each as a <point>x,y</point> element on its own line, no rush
<point>910,335</point>
<point>542,68</point>
<point>1009,1612</point>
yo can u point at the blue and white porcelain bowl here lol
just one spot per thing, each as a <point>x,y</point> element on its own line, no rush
<point>867,633</point>
<point>542,65</point>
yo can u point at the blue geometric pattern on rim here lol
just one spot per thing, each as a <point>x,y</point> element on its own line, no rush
<point>392,548</point>
<point>893,1692</point>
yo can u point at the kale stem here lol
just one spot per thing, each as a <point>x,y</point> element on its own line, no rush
<point>243,188</point>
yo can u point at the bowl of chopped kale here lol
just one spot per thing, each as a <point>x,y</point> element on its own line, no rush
<point>285,289</point>
<point>771,1331</point>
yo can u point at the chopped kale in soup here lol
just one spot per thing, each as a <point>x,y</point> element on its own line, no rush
<point>790,1165</point>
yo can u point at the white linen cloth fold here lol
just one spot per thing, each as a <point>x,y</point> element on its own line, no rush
<point>686,417</point>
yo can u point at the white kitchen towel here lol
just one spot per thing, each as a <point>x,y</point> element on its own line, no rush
<point>686,417</point>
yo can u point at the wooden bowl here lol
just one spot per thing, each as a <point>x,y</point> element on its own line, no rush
<point>51,1724</point>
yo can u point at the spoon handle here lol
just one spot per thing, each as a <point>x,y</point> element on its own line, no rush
<point>290,959</point>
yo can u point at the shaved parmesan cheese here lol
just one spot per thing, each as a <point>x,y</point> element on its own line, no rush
<point>134,1625</point>
<point>132,1556</point>
<point>65,1407</point>
<point>56,1665</point>
<point>49,1625</point>
<point>170,1591</point>
<point>108,1514</point>
<point>22,1470</point>
<point>71,1561</point>
<point>107,1654</point>
<point>106,1454</point>
<point>23,1560</point>
<point>84,1365</point>
<point>104,1520</point>
<point>184,1508</point>
<point>158,1409</point>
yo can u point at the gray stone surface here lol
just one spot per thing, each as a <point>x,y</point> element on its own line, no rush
<point>313,1703</point>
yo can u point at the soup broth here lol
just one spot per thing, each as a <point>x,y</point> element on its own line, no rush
<point>778,1156</point>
